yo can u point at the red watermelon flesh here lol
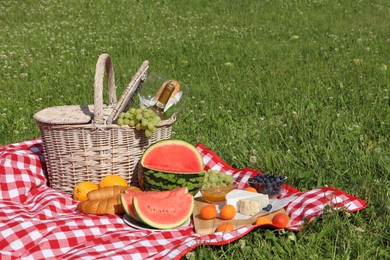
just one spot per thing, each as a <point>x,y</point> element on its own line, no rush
<point>173,156</point>
<point>127,198</point>
<point>163,213</point>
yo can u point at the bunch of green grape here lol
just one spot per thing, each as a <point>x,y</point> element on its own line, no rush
<point>213,178</point>
<point>141,118</point>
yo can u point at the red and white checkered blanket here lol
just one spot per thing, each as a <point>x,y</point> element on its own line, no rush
<point>38,222</point>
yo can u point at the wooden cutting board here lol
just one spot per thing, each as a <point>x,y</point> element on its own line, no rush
<point>205,227</point>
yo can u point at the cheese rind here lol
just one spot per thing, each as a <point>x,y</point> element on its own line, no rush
<point>252,206</point>
<point>234,196</point>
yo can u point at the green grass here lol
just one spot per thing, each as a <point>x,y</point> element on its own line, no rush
<point>300,87</point>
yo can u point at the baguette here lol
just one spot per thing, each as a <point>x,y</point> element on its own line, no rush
<point>106,192</point>
<point>107,206</point>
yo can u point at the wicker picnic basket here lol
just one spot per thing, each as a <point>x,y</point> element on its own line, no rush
<point>81,142</point>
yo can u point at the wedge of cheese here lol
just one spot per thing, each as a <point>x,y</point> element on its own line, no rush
<point>251,206</point>
<point>247,201</point>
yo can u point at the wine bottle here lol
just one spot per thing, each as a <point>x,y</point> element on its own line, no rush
<point>162,101</point>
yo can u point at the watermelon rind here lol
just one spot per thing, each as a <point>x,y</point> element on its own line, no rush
<point>152,180</point>
<point>168,161</point>
<point>163,214</point>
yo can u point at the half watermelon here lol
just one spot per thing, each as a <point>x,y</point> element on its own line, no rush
<point>173,156</point>
<point>171,164</point>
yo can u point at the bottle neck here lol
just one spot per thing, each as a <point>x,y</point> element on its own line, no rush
<point>165,95</point>
<point>159,105</point>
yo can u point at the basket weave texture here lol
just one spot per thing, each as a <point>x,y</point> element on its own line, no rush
<point>78,149</point>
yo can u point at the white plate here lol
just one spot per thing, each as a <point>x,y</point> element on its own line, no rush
<point>139,225</point>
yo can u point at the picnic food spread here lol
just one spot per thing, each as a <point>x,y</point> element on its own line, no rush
<point>29,206</point>
<point>163,200</point>
<point>119,161</point>
<point>167,174</point>
<point>169,205</point>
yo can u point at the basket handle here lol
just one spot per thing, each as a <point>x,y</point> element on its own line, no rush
<point>104,63</point>
<point>128,93</point>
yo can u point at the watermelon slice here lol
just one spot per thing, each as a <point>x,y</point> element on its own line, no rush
<point>127,203</point>
<point>164,209</point>
<point>174,156</point>
<point>127,199</point>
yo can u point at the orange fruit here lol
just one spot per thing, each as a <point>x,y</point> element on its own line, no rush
<point>227,212</point>
<point>81,190</point>
<point>224,226</point>
<point>280,220</point>
<point>112,180</point>
<point>208,212</point>
<point>251,189</point>
<point>263,221</point>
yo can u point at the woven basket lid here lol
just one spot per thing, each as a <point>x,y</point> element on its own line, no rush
<point>64,115</point>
